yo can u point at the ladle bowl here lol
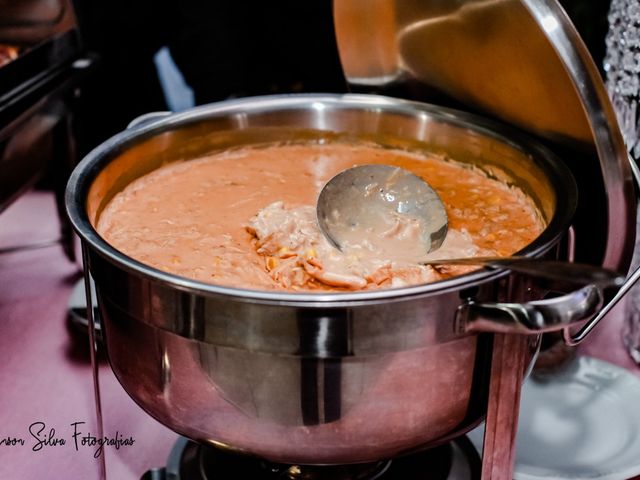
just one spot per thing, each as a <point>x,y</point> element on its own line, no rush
<point>365,201</point>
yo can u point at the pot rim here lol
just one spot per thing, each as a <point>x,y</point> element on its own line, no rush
<point>87,170</point>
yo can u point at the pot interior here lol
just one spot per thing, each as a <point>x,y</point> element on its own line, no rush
<point>501,152</point>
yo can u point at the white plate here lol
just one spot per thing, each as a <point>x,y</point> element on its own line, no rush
<point>580,423</point>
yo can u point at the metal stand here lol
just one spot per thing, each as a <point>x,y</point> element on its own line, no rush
<point>507,370</point>
<point>93,348</point>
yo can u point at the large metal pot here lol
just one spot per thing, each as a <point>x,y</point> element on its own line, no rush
<point>317,378</point>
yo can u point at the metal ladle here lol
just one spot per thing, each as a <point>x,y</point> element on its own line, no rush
<point>361,204</point>
<point>364,203</point>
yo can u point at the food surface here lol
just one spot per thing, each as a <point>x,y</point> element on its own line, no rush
<point>246,218</point>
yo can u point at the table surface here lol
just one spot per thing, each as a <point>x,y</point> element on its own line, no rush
<point>45,371</point>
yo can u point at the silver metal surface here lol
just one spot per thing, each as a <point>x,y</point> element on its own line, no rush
<point>519,60</point>
<point>531,317</point>
<point>306,377</point>
<point>575,339</point>
<point>359,202</point>
<point>147,118</point>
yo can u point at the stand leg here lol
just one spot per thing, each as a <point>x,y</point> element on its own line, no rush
<point>93,344</point>
<point>507,370</point>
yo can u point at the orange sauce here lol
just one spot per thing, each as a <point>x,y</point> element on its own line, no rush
<point>190,218</point>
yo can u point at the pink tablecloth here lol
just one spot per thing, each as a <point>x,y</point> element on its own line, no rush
<point>45,374</point>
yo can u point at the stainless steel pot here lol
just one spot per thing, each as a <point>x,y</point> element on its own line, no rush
<point>318,378</point>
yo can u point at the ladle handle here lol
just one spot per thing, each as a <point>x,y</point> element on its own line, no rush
<point>550,270</point>
<point>534,317</point>
<point>573,339</point>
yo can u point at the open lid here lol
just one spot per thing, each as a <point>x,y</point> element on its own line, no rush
<point>521,61</point>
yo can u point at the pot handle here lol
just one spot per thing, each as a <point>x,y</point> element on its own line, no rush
<point>573,339</point>
<point>541,316</point>
<point>531,318</point>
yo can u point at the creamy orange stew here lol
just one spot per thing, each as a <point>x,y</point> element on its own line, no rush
<point>246,218</point>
